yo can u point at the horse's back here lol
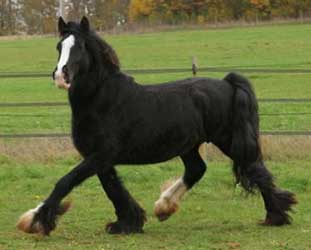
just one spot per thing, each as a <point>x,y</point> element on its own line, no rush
<point>208,96</point>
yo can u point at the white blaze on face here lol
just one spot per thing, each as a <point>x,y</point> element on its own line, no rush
<point>67,44</point>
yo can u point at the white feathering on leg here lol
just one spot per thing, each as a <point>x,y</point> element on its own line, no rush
<point>25,222</point>
<point>169,200</point>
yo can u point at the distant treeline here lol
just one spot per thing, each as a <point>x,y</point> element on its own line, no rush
<point>39,16</point>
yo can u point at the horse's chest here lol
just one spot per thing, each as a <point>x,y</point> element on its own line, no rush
<point>84,135</point>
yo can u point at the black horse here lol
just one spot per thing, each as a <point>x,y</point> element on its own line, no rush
<point>118,121</point>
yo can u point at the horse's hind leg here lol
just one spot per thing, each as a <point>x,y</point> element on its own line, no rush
<point>170,198</point>
<point>277,202</point>
<point>255,175</point>
<point>130,216</point>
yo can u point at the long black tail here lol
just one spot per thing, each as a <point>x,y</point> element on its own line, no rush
<point>245,151</point>
<point>245,148</point>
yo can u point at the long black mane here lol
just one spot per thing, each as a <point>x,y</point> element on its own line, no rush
<point>104,55</point>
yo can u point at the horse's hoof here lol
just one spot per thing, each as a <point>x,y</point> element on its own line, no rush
<point>164,209</point>
<point>163,216</point>
<point>42,219</point>
<point>28,224</point>
<point>120,228</point>
<point>276,219</point>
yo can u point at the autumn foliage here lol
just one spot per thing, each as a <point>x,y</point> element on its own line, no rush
<point>39,16</point>
<point>179,11</point>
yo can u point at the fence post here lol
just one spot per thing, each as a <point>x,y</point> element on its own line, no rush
<point>194,66</point>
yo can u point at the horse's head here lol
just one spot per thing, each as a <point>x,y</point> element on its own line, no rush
<point>73,55</point>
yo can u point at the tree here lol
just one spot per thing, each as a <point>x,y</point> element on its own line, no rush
<point>108,14</point>
<point>140,9</point>
<point>39,16</point>
<point>263,8</point>
<point>238,8</point>
<point>8,16</point>
<point>299,8</point>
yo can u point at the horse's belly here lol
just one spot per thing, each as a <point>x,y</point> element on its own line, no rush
<point>146,157</point>
<point>153,151</point>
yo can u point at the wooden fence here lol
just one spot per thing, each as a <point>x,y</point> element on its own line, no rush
<point>194,70</point>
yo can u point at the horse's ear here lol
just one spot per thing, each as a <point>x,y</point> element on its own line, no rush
<point>84,24</point>
<point>61,26</point>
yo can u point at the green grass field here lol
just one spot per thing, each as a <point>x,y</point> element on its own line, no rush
<point>215,215</point>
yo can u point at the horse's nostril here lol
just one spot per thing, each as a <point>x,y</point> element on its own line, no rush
<point>66,73</point>
<point>65,69</point>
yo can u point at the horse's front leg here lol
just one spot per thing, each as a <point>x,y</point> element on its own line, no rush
<point>130,216</point>
<point>42,219</point>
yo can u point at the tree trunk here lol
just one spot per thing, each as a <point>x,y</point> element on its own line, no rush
<point>10,19</point>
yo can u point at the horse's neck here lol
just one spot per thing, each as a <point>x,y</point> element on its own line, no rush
<point>90,91</point>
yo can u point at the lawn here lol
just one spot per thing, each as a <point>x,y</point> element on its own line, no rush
<point>214,215</point>
<point>275,47</point>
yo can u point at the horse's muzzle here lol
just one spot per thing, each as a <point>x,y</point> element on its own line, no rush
<point>61,82</point>
<point>61,79</point>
